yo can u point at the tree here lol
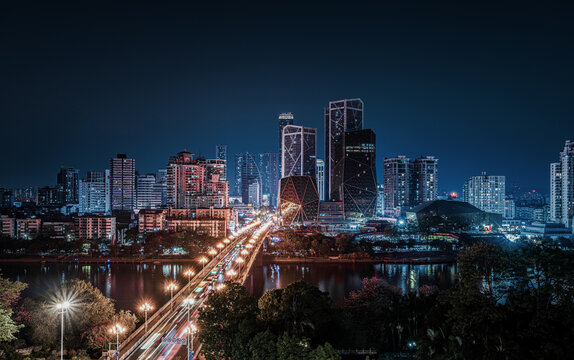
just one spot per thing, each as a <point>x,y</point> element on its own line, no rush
<point>9,296</point>
<point>290,347</point>
<point>90,315</point>
<point>220,319</point>
<point>263,346</point>
<point>326,352</point>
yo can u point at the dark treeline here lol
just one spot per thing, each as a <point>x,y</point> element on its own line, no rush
<point>510,302</point>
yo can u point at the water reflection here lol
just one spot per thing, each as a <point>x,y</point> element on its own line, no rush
<point>341,279</point>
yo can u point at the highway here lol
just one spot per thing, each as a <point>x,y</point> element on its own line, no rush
<point>167,334</point>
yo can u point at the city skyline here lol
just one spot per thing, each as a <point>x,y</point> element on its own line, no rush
<point>475,113</point>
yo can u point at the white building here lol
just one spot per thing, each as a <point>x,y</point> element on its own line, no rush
<point>94,193</point>
<point>562,187</point>
<point>486,192</point>
<point>321,179</point>
<point>299,152</point>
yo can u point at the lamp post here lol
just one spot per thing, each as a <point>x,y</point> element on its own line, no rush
<point>63,307</point>
<point>117,329</point>
<point>145,307</point>
<point>189,273</point>
<point>188,304</point>
<point>239,261</point>
<point>212,252</point>
<point>203,260</point>
<point>171,287</point>
<point>191,330</point>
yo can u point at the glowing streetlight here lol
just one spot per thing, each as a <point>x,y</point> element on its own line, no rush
<point>227,241</point>
<point>203,260</point>
<point>249,246</point>
<point>62,307</point>
<point>145,307</point>
<point>239,261</point>
<point>244,252</point>
<point>220,287</point>
<point>171,287</point>
<point>231,273</point>
<point>189,273</point>
<point>212,252</point>
<point>220,246</point>
<point>190,330</point>
<point>117,329</point>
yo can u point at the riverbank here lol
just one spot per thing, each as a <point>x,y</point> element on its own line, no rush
<point>410,257</point>
<point>98,260</point>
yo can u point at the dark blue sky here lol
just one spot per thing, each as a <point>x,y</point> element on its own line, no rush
<point>482,87</point>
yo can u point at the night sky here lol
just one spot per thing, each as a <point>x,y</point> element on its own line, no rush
<point>482,87</point>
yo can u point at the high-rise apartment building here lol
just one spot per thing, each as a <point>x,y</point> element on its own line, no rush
<point>68,181</point>
<point>556,192</point>
<point>397,185</point>
<point>238,164</point>
<point>269,168</point>
<point>221,154</point>
<point>93,193</point>
<point>562,187</point>
<point>360,175</point>
<point>425,179</point>
<point>193,183</point>
<point>122,183</point>
<point>321,179</point>
<point>340,116</point>
<point>380,200</point>
<point>486,192</point>
<point>299,151</point>
<point>145,192</point>
<point>284,120</point>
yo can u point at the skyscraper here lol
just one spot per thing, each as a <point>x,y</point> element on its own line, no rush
<point>284,120</point>
<point>238,164</point>
<point>269,170</point>
<point>397,173</point>
<point>340,116</point>
<point>556,192</point>
<point>221,154</point>
<point>486,192</point>
<point>93,193</point>
<point>122,183</point>
<point>144,191</point>
<point>250,175</point>
<point>425,179</point>
<point>299,151</point>
<point>321,179</point>
<point>68,186</point>
<point>360,175</point>
<point>562,187</point>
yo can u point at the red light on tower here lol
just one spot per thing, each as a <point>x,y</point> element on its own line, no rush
<point>453,194</point>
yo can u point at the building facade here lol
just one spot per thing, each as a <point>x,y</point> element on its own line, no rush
<point>284,120</point>
<point>486,192</point>
<point>89,227</point>
<point>425,179</point>
<point>340,116</point>
<point>298,200</point>
<point>320,172</point>
<point>269,167</point>
<point>250,180</point>
<point>397,185</point>
<point>299,153</point>
<point>556,192</point>
<point>562,187</point>
<point>360,175</point>
<point>94,193</point>
<point>68,181</point>
<point>122,183</point>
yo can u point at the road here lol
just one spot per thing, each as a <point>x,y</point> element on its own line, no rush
<point>167,336</point>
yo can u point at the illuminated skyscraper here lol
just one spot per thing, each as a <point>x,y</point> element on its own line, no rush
<point>250,175</point>
<point>486,192</point>
<point>299,151</point>
<point>93,193</point>
<point>397,181</point>
<point>144,192</point>
<point>321,179</point>
<point>562,187</point>
<point>425,179</point>
<point>360,175</point>
<point>284,120</point>
<point>221,154</point>
<point>68,186</point>
<point>269,167</point>
<point>340,116</point>
<point>122,183</point>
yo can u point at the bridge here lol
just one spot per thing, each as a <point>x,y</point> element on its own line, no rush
<point>170,329</point>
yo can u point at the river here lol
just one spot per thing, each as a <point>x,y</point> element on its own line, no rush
<point>129,284</point>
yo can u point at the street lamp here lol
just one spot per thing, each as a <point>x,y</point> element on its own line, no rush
<point>227,241</point>
<point>145,307</point>
<point>231,273</point>
<point>203,260</point>
<point>189,273</point>
<point>188,302</point>
<point>220,287</point>
<point>212,252</point>
<point>62,307</point>
<point>244,252</point>
<point>239,261</point>
<point>190,330</point>
<point>117,329</point>
<point>249,246</point>
<point>171,287</point>
<point>220,246</point>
